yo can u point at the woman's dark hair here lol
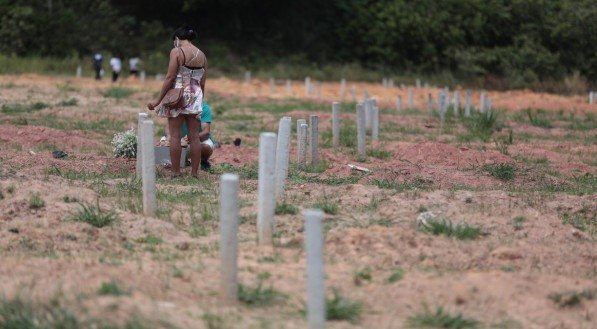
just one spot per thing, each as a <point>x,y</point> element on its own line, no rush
<point>184,33</point>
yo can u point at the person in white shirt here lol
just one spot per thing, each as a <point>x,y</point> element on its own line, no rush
<point>134,66</point>
<point>116,64</point>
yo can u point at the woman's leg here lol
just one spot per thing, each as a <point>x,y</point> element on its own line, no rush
<point>174,125</point>
<point>194,126</point>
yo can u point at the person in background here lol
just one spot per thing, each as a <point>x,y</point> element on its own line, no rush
<point>97,65</point>
<point>207,143</point>
<point>116,64</point>
<point>134,66</point>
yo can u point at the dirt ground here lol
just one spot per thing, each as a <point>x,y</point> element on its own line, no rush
<point>538,229</point>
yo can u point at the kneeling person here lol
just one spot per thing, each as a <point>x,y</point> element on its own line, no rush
<point>207,143</point>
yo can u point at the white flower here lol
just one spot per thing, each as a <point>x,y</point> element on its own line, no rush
<point>125,144</point>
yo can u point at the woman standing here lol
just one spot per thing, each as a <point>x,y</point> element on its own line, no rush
<point>186,69</point>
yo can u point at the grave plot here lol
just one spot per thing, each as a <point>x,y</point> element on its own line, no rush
<point>364,213</point>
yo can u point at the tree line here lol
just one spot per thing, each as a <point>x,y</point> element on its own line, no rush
<point>520,42</point>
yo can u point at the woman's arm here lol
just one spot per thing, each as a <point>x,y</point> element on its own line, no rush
<point>205,128</point>
<point>170,78</point>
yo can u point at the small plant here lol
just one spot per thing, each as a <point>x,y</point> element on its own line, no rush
<point>362,276</point>
<point>286,209</point>
<point>94,216</point>
<point>537,120</point>
<point>150,239</point>
<point>380,154</point>
<point>480,125</point>
<point>462,231</point>
<point>502,171</point>
<point>69,199</point>
<point>327,206</point>
<point>396,275</point>
<point>68,102</point>
<point>36,202</point>
<point>518,222</point>
<point>259,296</point>
<point>110,288</point>
<point>125,144</point>
<point>118,92</point>
<point>11,189</point>
<point>440,319</point>
<point>584,219</point>
<point>417,183</point>
<point>341,308</point>
<point>571,298</point>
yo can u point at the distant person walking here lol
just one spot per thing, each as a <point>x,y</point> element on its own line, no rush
<point>116,64</point>
<point>186,69</point>
<point>134,66</point>
<point>97,65</point>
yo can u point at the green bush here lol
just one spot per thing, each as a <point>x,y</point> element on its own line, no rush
<point>125,144</point>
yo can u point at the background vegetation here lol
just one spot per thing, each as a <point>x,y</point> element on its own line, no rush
<point>542,44</point>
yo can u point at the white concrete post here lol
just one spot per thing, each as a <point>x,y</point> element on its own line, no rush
<point>302,145</point>
<point>361,131</point>
<point>266,188</point>
<point>488,105</point>
<point>384,82</point>
<point>316,313</point>
<point>391,83</point>
<point>342,89</point>
<point>374,123</point>
<point>289,87</point>
<point>272,85</point>
<point>367,104</point>
<point>308,86</point>
<point>482,96</point>
<point>318,90</point>
<point>456,103</point>
<point>441,99</point>
<point>228,237</point>
<point>592,97</point>
<point>399,103</point>
<point>418,83</point>
<point>430,104</point>
<point>468,103</point>
<point>79,71</point>
<point>282,154</point>
<point>411,103</point>
<point>148,168</point>
<point>335,124</point>
<point>139,159</point>
<point>247,76</point>
<point>142,76</point>
<point>353,92</point>
<point>314,139</point>
<point>426,85</point>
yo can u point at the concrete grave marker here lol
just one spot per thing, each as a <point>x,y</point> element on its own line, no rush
<point>336,124</point>
<point>316,313</point>
<point>266,187</point>
<point>282,154</point>
<point>361,131</point>
<point>148,169</point>
<point>228,237</point>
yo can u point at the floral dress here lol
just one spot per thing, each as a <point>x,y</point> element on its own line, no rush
<point>187,78</point>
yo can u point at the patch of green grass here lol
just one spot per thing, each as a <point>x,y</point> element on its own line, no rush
<point>258,295</point>
<point>12,109</point>
<point>576,185</point>
<point>501,171</point>
<point>480,126</point>
<point>68,102</point>
<point>69,199</point>
<point>396,275</point>
<point>441,319</point>
<point>150,239</point>
<point>417,183</point>
<point>286,209</point>
<point>316,168</point>
<point>571,298</point>
<point>20,121</point>
<point>94,216</point>
<point>347,138</point>
<point>589,122</point>
<point>584,219</point>
<point>11,189</point>
<point>110,288</point>
<point>518,222</point>
<point>363,275</point>
<point>461,231</point>
<point>340,308</point>
<point>380,154</point>
<point>118,92</point>
<point>538,118</point>
<point>36,202</point>
<point>328,206</point>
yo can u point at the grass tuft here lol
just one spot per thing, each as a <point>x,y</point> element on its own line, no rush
<point>94,216</point>
<point>340,308</point>
<point>480,126</point>
<point>110,289</point>
<point>380,154</point>
<point>571,298</point>
<point>259,296</point>
<point>440,319</point>
<point>461,231</point>
<point>396,275</point>
<point>118,92</point>
<point>36,202</point>
<point>286,209</point>
<point>502,171</point>
<point>537,119</point>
